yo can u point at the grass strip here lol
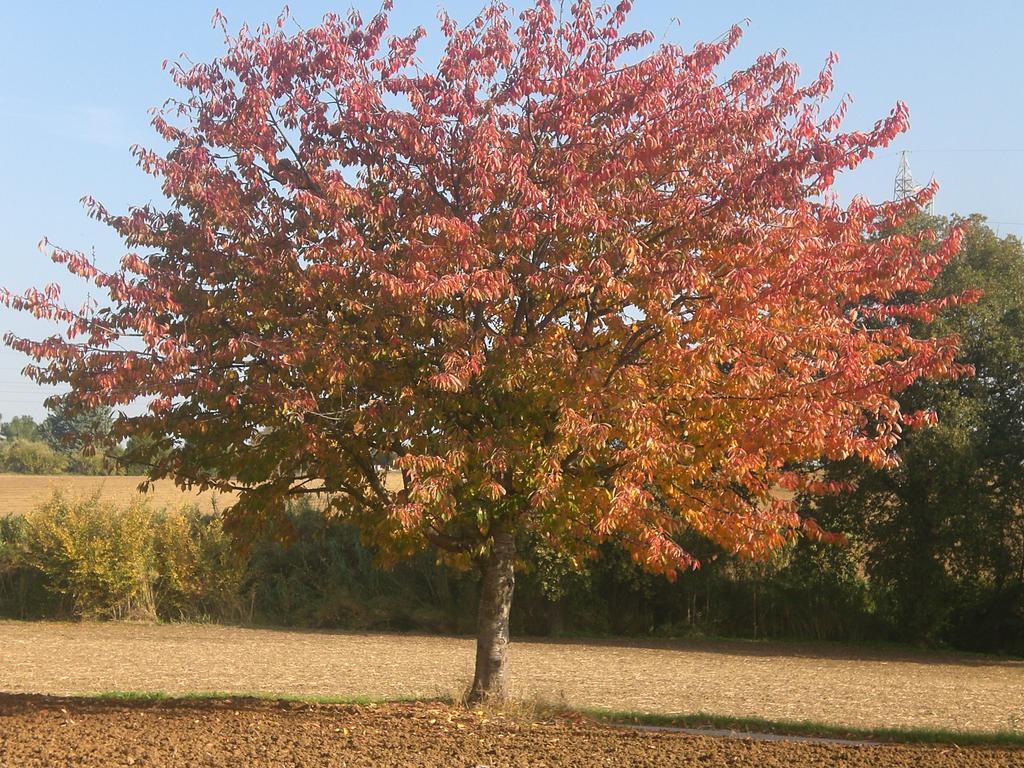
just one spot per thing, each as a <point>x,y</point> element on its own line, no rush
<point>697,720</point>
<point>810,728</point>
<point>258,695</point>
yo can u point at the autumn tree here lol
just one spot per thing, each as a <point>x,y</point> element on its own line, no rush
<point>569,282</point>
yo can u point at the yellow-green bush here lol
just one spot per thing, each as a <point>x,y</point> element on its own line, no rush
<point>32,457</point>
<point>94,555</point>
<point>199,572</point>
<point>102,560</point>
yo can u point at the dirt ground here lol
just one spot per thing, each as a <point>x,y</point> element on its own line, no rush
<point>37,731</point>
<point>842,685</point>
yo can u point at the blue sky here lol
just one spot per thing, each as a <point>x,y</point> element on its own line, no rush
<point>80,77</point>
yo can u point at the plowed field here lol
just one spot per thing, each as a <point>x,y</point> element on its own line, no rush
<point>37,732</point>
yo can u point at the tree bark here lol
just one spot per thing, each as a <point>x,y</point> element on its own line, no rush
<point>489,679</point>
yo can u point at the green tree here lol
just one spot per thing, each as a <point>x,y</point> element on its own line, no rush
<point>944,530</point>
<point>69,431</point>
<point>21,428</point>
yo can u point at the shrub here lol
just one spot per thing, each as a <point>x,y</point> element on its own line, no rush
<point>94,555</point>
<point>23,592</point>
<point>79,463</point>
<point>31,457</point>
<point>325,577</point>
<point>95,559</point>
<point>199,572</point>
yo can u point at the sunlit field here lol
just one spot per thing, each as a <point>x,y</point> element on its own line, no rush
<point>20,493</point>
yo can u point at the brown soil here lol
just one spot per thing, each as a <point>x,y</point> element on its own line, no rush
<point>841,685</point>
<point>38,731</point>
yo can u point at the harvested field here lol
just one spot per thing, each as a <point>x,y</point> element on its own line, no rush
<point>839,685</point>
<point>36,732</point>
<point>21,493</point>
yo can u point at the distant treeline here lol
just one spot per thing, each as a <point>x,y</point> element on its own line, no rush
<point>56,445</point>
<point>935,553</point>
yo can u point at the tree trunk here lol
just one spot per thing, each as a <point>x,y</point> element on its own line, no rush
<point>499,580</point>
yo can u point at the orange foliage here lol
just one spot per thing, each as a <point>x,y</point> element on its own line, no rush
<point>570,281</point>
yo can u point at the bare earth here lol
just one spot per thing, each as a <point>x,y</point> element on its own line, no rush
<point>847,686</point>
<point>37,732</point>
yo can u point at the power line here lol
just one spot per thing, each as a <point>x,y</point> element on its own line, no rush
<point>953,150</point>
<point>976,149</point>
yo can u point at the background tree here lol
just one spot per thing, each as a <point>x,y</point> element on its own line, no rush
<point>65,442</point>
<point>20,428</point>
<point>84,437</point>
<point>943,530</point>
<point>25,451</point>
<point>67,428</point>
<point>579,287</point>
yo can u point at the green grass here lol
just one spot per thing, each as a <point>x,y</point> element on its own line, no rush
<point>258,695</point>
<point>811,728</point>
<point>611,717</point>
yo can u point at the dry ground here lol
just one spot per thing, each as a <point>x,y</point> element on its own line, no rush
<point>847,686</point>
<point>87,734</point>
<point>21,493</point>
